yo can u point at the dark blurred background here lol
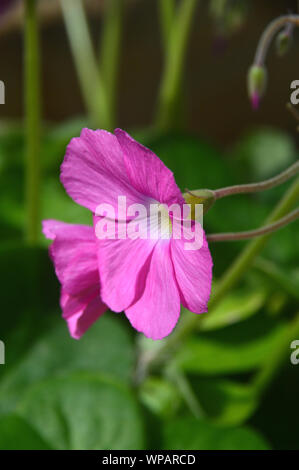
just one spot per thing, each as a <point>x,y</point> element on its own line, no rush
<point>215,81</point>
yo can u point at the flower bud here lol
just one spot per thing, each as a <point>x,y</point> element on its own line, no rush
<point>257,79</point>
<point>206,197</point>
<point>283,42</point>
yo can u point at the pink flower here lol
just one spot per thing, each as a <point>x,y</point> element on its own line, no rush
<point>73,252</point>
<point>148,279</point>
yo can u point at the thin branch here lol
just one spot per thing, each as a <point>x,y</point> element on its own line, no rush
<point>234,236</point>
<point>186,391</point>
<point>269,33</point>
<point>262,186</point>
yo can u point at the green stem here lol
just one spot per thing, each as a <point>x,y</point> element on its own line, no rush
<point>167,14</point>
<point>174,66</point>
<point>277,358</point>
<point>230,278</point>
<point>33,116</point>
<point>183,385</point>
<point>86,64</point>
<point>110,52</point>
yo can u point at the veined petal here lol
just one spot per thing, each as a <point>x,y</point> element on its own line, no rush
<point>93,171</point>
<point>147,173</point>
<point>73,252</point>
<point>123,266</point>
<point>157,311</point>
<point>80,315</point>
<point>193,271</point>
<point>52,228</point>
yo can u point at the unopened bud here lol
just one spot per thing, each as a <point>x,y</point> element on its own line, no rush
<point>206,197</point>
<point>257,80</point>
<point>283,42</point>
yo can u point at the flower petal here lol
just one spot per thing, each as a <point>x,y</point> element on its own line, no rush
<point>80,315</point>
<point>94,173</point>
<point>73,252</point>
<point>193,270</point>
<point>157,311</point>
<point>123,266</point>
<point>52,228</point>
<point>147,173</point>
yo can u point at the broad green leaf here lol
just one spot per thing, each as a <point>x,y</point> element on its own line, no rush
<point>105,348</point>
<point>225,402</point>
<point>160,396</point>
<point>17,434</point>
<point>236,348</point>
<point>266,152</point>
<point>84,411</point>
<point>235,307</point>
<point>38,344</point>
<point>29,295</point>
<point>278,277</point>
<point>193,434</point>
<point>56,204</point>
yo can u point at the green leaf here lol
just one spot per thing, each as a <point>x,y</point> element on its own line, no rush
<point>193,434</point>
<point>237,348</point>
<point>17,434</point>
<point>84,411</point>
<point>29,295</point>
<point>56,204</point>
<point>38,344</point>
<point>225,402</point>
<point>237,306</point>
<point>266,152</point>
<point>106,348</point>
<point>160,396</point>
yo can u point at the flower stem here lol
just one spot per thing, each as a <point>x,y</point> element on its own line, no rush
<point>223,237</point>
<point>86,64</point>
<point>262,186</point>
<point>167,15</point>
<point>190,322</point>
<point>174,65</point>
<point>32,111</point>
<point>183,385</point>
<point>268,35</point>
<point>110,51</point>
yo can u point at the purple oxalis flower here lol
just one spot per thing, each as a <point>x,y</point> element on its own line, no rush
<point>148,279</point>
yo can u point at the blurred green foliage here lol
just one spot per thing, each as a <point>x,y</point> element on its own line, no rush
<point>59,393</point>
